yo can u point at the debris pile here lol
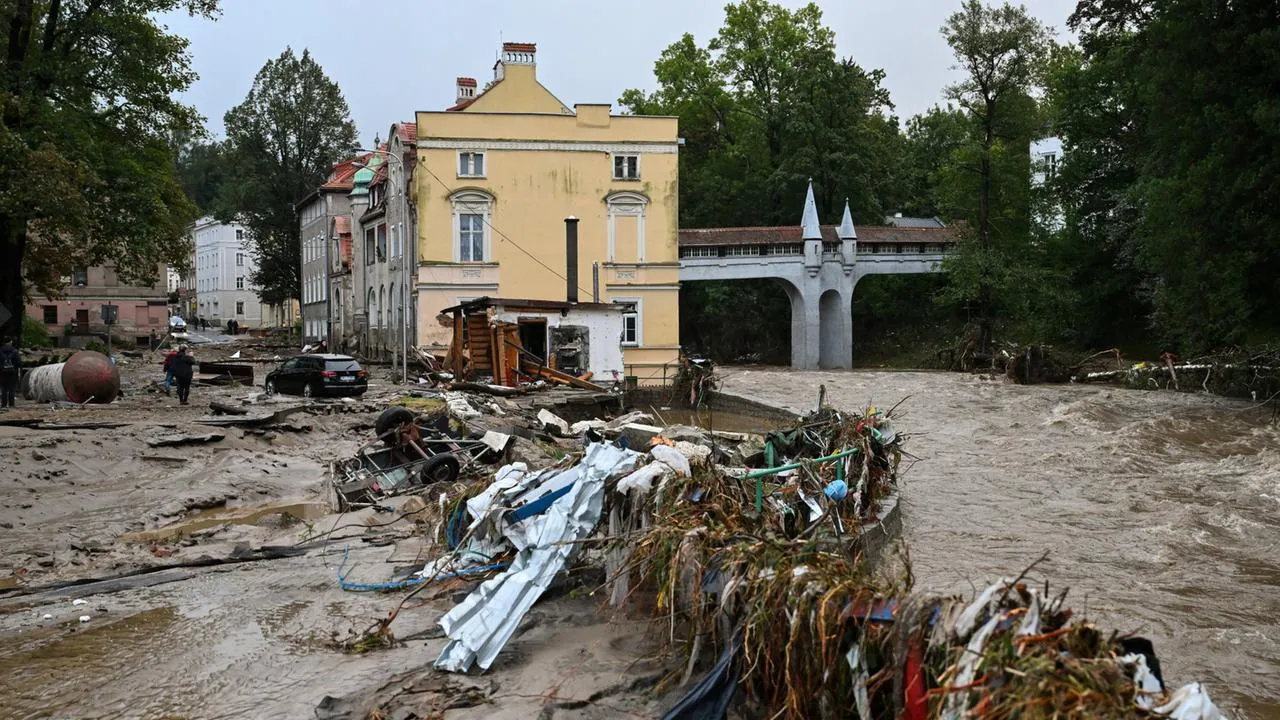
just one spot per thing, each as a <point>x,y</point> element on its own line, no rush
<point>749,552</point>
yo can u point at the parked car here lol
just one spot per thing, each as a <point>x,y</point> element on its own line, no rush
<point>315,375</point>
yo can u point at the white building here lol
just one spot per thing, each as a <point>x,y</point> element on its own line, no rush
<point>174,280</point>
<point>223,266</point>
<point>1046,155</point>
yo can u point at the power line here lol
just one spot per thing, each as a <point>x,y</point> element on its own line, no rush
<point>506,237</point>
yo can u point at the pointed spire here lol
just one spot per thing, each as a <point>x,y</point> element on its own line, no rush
<point>846,231</point>
<point>810,222</point>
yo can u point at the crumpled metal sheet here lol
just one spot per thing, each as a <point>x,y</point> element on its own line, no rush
<point>482,624</point>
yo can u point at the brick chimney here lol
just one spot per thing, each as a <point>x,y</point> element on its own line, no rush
<point>514,54</point>
<point>466,89</point>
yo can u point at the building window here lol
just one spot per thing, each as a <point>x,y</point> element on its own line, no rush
<point>239,307</point>
<point>50,314</point>
<point>472,225</point>
<point>239,259</point>
<point>626,226</point>
<point>470,164</point>
<point>240,283</point>
<point>370,247</point>
<point>630,320</point>
<point>471,238</point>
<point>382,242</point>
<point>239,235</point>
<point>80,276</point>
<point>742,250</point>
<point>626,167</point>
<point>700,252</point>
<point>382,302</point>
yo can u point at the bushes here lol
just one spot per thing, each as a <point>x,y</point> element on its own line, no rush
<point>34,334</point>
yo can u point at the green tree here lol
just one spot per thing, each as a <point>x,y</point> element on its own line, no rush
<point>1000,51</point>
<point>282,142</point>
<point>202,171</point>
<point>86,170</point>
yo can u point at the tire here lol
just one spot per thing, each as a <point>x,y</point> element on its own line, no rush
<point>442,468</point>
<point>309,390</point>
<point>271,387</point>
<point>390,418</point>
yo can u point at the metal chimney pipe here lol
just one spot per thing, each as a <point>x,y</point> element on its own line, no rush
<point>595,282</point>
<point>571,258</point>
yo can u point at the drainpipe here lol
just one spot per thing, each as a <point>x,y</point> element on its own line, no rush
<point>571,258</point>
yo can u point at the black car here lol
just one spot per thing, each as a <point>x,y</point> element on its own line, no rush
<point>316,375</point>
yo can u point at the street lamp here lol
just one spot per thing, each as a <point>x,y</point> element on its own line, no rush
<point>404,256</point>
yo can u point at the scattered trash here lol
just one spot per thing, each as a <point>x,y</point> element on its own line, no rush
<point>85,618</point>
<point>79,602</point>
<point>176,440</point>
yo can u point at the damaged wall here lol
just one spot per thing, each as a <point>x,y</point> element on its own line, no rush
<point>596,332</point>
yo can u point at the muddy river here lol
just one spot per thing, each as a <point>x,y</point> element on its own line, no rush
<point>1160,511</point>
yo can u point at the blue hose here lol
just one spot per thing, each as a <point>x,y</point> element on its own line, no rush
<point>375,587</point>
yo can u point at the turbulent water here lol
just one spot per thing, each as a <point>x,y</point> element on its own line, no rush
<point>1160,511</point>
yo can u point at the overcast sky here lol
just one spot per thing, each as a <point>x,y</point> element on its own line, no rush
<point>394,57</point>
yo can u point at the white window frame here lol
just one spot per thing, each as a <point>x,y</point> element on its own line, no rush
<point>623,177</point>
<point>239,282</point>
<point>627,204</point>
<point>239,307</point>
<point>639,315</point>
<point>472,202</point>
<point>469,170</point>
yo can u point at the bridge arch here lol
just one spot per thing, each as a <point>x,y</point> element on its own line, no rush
<point>834,349</point>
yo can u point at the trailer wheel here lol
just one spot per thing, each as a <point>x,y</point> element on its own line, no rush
<point>390,418</point>
<point>443,468</point>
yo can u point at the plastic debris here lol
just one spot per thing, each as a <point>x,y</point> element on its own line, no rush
<point>85,618</point>
<point>79,602</point>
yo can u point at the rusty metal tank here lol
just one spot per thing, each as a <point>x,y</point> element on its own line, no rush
<point>87,376</point>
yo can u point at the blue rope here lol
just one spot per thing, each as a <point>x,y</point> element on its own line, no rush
<point>375,587</point>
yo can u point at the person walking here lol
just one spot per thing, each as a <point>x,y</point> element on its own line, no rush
<point>168,370</point>
<point>182,368</point>
<point>10,365</point>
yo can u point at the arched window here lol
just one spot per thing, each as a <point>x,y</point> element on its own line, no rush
<point>382,302</point>
<point>392,302</point>
<point>472,220</point>
<point>370,306</point>
<point>626,226</point>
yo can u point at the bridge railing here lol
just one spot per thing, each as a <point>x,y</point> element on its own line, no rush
<point>829,250</point>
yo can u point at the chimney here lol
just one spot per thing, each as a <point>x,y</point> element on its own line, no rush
<point>514,54</point>
<point>466,89</point>
<point>571,258</point>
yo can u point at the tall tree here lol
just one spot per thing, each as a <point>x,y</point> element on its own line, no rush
<point>86,170</point>
<point>1000,50</point>
<point>282,142</point>
<point>202,171</point>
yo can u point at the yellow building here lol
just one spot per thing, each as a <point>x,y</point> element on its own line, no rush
<point>495,179</point>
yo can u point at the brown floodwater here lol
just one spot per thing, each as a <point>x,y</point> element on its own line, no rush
<point>1160,511</point>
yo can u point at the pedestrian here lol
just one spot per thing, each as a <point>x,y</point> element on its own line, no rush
<point>168,370</point>
<point>204,323</point>
<point>182,371</point>
<point>10,365</point>
<point>235,327</point>
<point>155,341</point>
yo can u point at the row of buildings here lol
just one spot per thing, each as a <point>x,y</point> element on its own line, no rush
<point>476,200</point>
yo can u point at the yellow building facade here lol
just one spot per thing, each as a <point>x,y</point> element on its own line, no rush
<point>495,179</point>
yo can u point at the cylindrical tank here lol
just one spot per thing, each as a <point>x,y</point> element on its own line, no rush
<point>86,377</point>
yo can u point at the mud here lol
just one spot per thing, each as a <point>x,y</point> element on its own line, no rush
<point>1160,511</point>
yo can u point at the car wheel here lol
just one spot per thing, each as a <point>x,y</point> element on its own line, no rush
<point>441,468</point>
<point>390,418</point>
<point>308,390</point>
<point>271,387</point>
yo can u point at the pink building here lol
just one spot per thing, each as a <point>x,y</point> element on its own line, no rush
<point>76,318</point>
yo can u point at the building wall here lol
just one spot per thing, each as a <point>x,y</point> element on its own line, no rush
<point>540,168</point>
<point>314,236</point>
<point>223,266</point>
<point>139,309</point>
<point>604,328</point>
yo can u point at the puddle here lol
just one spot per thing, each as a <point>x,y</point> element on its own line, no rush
<point>205,519</point>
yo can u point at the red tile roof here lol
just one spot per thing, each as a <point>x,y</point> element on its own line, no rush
<point>466,82</point>
<point>794,234</point>
<point>520,47</point>
<point>407,131</point>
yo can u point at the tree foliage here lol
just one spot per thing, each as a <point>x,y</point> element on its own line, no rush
<point>86,169</point>
<point>282,142</point>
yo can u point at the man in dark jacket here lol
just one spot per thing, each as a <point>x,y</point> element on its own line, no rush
<point>10,362</point>
<point>182,368</point>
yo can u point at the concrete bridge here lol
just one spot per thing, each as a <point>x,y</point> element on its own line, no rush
<point>819,266</point>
